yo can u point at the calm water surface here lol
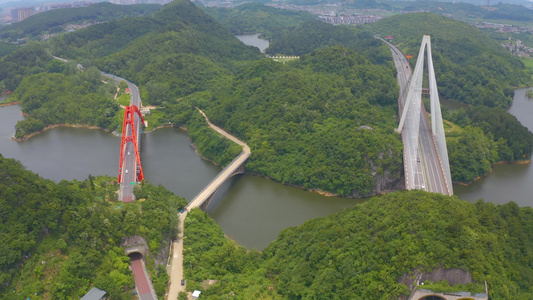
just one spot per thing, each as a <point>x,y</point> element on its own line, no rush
<point>254,40</point>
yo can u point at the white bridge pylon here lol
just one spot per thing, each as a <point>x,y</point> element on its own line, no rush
<point>411,114</point>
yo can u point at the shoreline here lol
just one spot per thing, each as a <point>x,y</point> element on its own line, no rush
<point>26,137</point>
<point>514,162</point>
<point>8,104</point>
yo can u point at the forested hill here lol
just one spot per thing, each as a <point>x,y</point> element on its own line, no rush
<point>174,52</point>
<point>257,18</point>
<point>470,67</point>
<point>325,121</point>
<point>364,251</point>
<point>54,21</point>
<point>313,35</point>
<point>59,240</point>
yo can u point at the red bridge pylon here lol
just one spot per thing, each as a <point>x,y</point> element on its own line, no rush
<point>132,137</point>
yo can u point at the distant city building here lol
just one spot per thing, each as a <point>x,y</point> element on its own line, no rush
<point>350,19</point>
<point>19,14</point>
<point>128,2</point>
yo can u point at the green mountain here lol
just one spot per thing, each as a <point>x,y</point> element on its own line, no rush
<point>309,36</point>
<point>368,251</point>
<point>174,52</point>
<point>58,240</point>
<point>252,18</point>
<point>54,21</point>
<point>470,67</point>
<point>325,121</point>
<point>23,61</point>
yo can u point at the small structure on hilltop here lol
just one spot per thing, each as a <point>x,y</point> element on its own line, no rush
<point>196,294</point>
<point>95,294</point>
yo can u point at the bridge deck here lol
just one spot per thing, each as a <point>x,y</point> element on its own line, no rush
<point>422,163</point>
<point>226,173</point>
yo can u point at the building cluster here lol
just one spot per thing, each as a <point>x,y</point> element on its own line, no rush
<point>350,19</point>
<point>70,28</point>
<point>21,13</point>
<point>336,13</point>
<point>518,48</point>
<point>503,27</point>
<point>128,2</point>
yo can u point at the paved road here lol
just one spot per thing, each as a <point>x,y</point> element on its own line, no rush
<point>141,278</point>
<point>176,264</point>
<point>422,165</point>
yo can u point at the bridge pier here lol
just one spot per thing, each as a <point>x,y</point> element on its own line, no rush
<point>205,204</point>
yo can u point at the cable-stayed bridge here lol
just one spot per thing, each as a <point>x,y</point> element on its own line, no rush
<point>425,154</point>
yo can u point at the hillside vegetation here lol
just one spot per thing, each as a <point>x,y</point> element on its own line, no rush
<point>251,18</point>
<point>58,240</point>
<point>54,21</point>
<point>362,252</point>
<point>176,51</point>
<point>66,96</point>
<point>325,121</point>
<point>24,61</point>
<point>470,67</point>
<point>307,37</point>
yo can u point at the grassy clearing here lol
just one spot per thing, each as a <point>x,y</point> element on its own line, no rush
<point>124,99</point>
<point>120,118</point>
<point>528,62</point>
<point>451,130</point>
<point>154,119</point>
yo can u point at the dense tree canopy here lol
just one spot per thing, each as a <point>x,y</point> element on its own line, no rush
<point>59,239</point>
<point>471,153</point>
<point>515,139</point>
<point>307,37</point>
<point>185,50</point>
<point>257,18</point>
<point>72,97</point>
<point>28,60</point>
<point>362,252</point>
<point>323,122</point>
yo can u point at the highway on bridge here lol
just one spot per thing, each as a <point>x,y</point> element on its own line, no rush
<point>129,168</point>
<point>423,169</point>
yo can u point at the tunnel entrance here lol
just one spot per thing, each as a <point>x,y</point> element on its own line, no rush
<point>135,256</point>
<point>432,297</point>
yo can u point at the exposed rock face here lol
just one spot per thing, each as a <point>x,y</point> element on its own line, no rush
<point>386,181</point>
<point>163,254</point>
<point>160,258</point>
<point>454,276</point>
<point>133,240</point>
